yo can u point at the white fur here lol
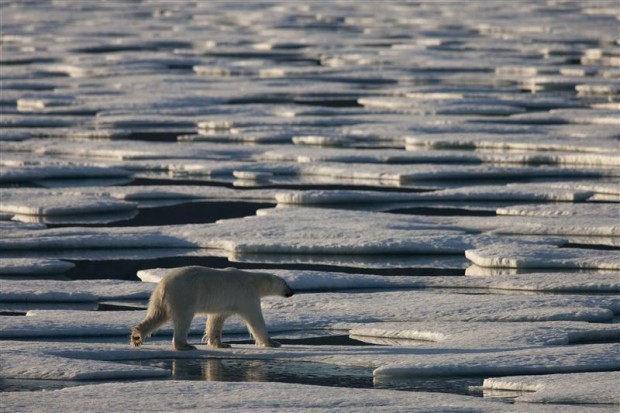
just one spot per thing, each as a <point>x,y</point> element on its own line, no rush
<point>186,291</point>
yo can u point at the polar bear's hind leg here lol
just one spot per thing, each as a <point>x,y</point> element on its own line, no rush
<point>182,323</point>
<point>213,331</point>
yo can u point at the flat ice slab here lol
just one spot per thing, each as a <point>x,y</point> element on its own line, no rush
<point>564,359</point>
<point>537,256</point>
<point>30,266</point>
<point>316,311</point>
<point>575,388</point>
<point>200,396</point>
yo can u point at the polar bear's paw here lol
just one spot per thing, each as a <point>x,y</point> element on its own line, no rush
<point>219,345</point>
<point>136,338</point>
<point>184,347</point>
<point>270,343</point>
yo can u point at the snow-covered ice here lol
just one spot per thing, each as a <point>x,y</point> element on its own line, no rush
<point>315,311</point>
<point>536,256</point>
<point>576,388</point>
<point>22,266</point>
<point>199,396</point>
<point>444,189</point>
<point>531,361</point>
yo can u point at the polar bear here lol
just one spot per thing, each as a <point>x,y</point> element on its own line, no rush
<point>218,293</point>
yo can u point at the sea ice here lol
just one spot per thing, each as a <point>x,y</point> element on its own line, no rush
<point>199,396</point>
<point>30,266</point>
<point>51,204</point>
<point>546,360</point>
<point>26,365</point>
<point>307,280</point>
<point>484,335</point>
<point>565,210</point>
<point>575,388</point>
<point>538,256</point>
<point>29,173</point>
<point>94,97</point>
<point>77,290</point>
<point>316,310</point>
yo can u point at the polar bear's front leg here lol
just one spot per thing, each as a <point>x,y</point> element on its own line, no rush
<point>256,324</point>
<point>213,330</point>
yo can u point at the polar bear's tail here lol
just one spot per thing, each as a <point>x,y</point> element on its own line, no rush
<point>156,316</point>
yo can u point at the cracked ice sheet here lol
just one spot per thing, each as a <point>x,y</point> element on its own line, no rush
<point>603,225</point>
<point>31,359</point>
<point>145,193</point>
<point>320,231</point>
<point>316,311</point>
<point>200,396</point>
<point>314,231</point>
<point>565,210</point>
<point>545,360</point>
<point>29,173</point>
<point>484,335</point>
<point>141,193</point>
<point>133,150</point>
<point>575,388</point>
<point>38,365</point>
<point>30,266</point>
<point>306,280</point>
<point>412,173</point>
<point>42,291</point>
<point>512,142</point>
<point>76,290</point>
<point>501,193</point>
<point>102,204</point>
<point>305,154</point>
<point>512,255</point>
<point>58,203</point>
<point>596,226</point>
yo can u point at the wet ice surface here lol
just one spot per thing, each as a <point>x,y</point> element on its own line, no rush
<point>443,191</point>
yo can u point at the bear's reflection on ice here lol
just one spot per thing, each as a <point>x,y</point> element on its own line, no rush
<point>266,370</point>
<point>320,374</point>
<point>219,370</point>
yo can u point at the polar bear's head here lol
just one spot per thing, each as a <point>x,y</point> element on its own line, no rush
<point>274,285</point>
<point>282,287</point>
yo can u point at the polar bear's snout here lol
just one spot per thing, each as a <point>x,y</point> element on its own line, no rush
<point>288,292</point>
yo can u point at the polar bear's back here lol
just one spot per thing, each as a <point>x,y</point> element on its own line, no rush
<point>205,276</point>
<point>212,290</point>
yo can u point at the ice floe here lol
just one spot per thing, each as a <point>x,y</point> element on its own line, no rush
<point>60,204</point>
<point>486,335</point>
<point>78,290</point>
<point>394,141</point>
<point>576,388</point>
<point>260,397</point>
<point>29,173</point>
<point>536,256</point>
<point>29,266</point>
<point>489,193</point>
<point>340,232</point>
<point>316,311</point>
<point>307,280</point>
<point>531,361</point>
